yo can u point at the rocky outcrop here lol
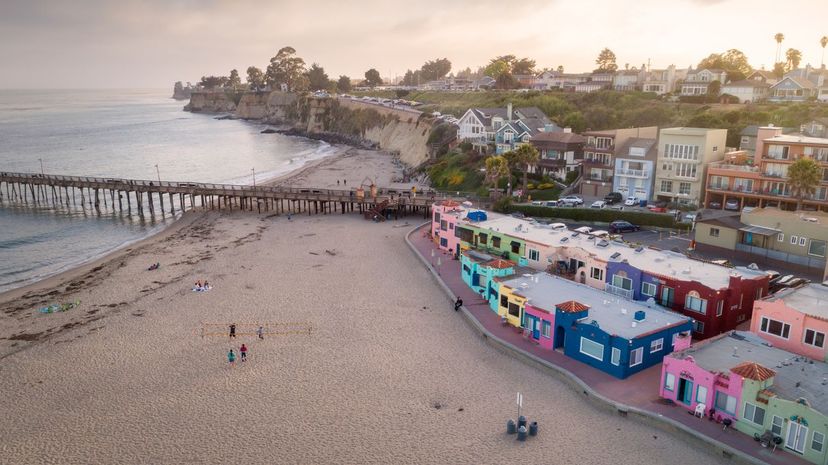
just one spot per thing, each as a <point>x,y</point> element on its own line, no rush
<point>182,92</point>
<point>210,102</point>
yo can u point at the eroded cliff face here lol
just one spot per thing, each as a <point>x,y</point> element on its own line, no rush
<point>396,130</point>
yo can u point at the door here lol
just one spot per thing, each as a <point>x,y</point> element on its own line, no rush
<point>666,296</point>
<point>458,251</point>
<point>535,325</point>
<point>475,280</point>
<point>685,391</point>
<point>796,437</point>
<point>560,335</point>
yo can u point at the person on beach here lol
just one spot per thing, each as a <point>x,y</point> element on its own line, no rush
<point>231,357</point>
<point>288,216</point>
<point>344,182</point>
<point>243,352</point>
<point>233,331</point>
<point>337,182</point>
<point>458,304</point>
<point>260,332</point>
<point>206,285</point>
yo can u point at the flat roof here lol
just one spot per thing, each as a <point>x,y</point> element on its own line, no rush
<point>613,314</point>
<point>761,230</point>
<point>788,217</point>
<point>661,262</point>
<point>689,131</point>
<point>796,377</point>
<point>787,138</point>
<point>811,299</point>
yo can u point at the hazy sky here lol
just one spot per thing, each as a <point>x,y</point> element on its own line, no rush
<point>152,43</point>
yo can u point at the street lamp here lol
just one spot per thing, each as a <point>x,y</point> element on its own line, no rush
<point>254,177</point>
<point>41,166</point>
<point>158,173</point>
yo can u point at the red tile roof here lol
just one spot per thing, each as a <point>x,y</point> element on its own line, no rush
<point>500,264</point>
<point>572,306</point>
<point>754,371</point>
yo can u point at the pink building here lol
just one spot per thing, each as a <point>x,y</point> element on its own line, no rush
<point>795,320</point>
<point>444,218</point>
<point>545,318</point>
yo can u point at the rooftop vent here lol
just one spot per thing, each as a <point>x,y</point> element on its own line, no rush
<point>686,270</point>
<point>640,315</point>
<point>753,266</point>
<point>623,311</point>
<point>634,324</point>
<point>575,234</point>
<point>615,255</point>
<point>564,239</point>
<point>602,243</point>
<point>639,249</point>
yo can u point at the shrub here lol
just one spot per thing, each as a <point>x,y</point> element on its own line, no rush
<point>530,186</point>
<point>503,204</point>
<point>601,216</point>
<point>546,194</point>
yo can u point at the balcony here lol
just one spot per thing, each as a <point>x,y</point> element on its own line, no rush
<point>596,163</point>
<point>736,189</point>
<point>594,147</point>
<point>628,293</point>
<point>553,163</point>
<point>777,157</point>
<point>598,177</point>
<point>714,168</point>
<point>633,173</point>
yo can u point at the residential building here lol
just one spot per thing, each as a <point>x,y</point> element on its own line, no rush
<point>747,90</point>
<point>763,76</point>
<point>795,320</point>
<point>482,127</point>
<point>592,86</point>
<point>481,272</point>
<point>793,89</point>
<point>816,128</point>
<point>716,297</point>
<point>766,392</point>
<point>761,181</point>
<point>770,233</point>
<point>562,81</point>
<point>635,164</point>
<point>600,154</point>
<point>683,156</point>
<point>618,336</point>
<point>698,81</point>
<point>445,215</point>
<point>747,142</point>
<point>560,152</point>
<point>663,81</point>
<point>627,80</point>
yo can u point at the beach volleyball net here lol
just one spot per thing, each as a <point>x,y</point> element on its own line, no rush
<point>252,329</point>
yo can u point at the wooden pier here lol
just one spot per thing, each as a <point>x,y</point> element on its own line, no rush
<point>142,197</point>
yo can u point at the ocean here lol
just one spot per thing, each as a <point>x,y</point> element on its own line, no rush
<point>122,134</point>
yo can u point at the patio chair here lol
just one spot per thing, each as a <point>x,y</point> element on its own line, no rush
<point>700,409</point>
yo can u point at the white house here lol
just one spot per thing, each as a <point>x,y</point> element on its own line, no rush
<point>748,90</point>
<point>480,126</point>
<point>697,82</point>
<point>626,80</point>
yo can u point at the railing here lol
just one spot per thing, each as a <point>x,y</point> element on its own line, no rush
<point>552,162</point>
<point>599,177</point>
<point>736,189</point>
<point>628,293</point>
<point>596,163</point>
<point>609,148</point>
<point>729,167</point>
<point>634,173</point>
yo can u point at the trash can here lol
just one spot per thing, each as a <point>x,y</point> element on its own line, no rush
<point>521,421</point>
<point>642,203</point>
<point>511,427</point>
<point>533,428</point>
<point>522,433</point>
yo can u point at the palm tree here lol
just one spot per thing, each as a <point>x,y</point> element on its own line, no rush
<point>496,168</point>
<point>779,38</point>
<point>804,176</point>
<point>823,41</point>
<point>527,157</point>
<point>794,57</point>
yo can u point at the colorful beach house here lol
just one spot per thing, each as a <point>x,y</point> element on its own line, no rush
<point>773,395</point>
<point>795,320</point>
<point>716,297</point>
<point>481,272</point>
<point>615,335</point>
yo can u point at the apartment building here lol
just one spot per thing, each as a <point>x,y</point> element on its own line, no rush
<point>683,156</point>
<point>663,81</point>
<point>761,181</point>
<point>603,153</point>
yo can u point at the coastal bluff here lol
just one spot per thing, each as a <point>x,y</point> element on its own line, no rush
<point>397,130</point>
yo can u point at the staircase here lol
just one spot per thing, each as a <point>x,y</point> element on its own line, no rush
<point>378,210</point>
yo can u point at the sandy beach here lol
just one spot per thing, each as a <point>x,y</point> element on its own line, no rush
<point>388,373</point>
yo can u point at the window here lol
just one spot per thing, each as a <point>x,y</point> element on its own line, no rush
<point>725,403</point>
<point>794,239</point>
<point>436,217</point>
<point>816,248</point>
<point>719,308</point>
<point>758,293</point>
<point>483,237</point>
<point>616,356</point>
<point>780,237</point>
<point>802,242</point>
<point>547,329</point>
<point>796,437</point>
<point>504,301</point>
<point>701,395</point>
<point>696,304</point>
<point>714,232</point>
<point>534,255</point>
<point>657,345</point>
<point>754,414</point>
<point>465,235</point>
<point>776,426</point>
<point>443,225</point>
<point>622,282</point>
<point>648,289</point>
<point>466,269</point>
<point>592,349</point>
<point>698,327</point>
<point>496,242</point>
<point>814,338</point>
<point>666,186</point>
<point>817,441</point>
<point>514,309</point>
<point>597,273</point>
<point>636,356</point>
<point>670,382</point>
<point>684,188</point>
<point>515,247</point>
<point>776,328</point>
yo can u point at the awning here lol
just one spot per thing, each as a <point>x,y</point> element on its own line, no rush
<point>760,230</point>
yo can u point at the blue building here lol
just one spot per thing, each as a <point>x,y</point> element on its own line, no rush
<point>479,271</point>
<point>613,334</point>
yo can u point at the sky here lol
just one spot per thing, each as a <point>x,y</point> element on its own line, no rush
<point>153,43</point>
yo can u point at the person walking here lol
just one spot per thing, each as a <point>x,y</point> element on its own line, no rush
<point>337,182</point>
<point>458,304</point>
<point>260,332</point>
<point>232,331</point>
<point>231,357</point>
<point>243,352</point>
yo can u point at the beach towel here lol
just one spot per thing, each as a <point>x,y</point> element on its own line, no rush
<point>60,307</point>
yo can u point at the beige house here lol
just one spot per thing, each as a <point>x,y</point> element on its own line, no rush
<point>794,237</point>
<point>683,156</point>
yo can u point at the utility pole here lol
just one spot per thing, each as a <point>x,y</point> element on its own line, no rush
<point>158,173</point>
<point>41,166</point>
<point>254,177</point>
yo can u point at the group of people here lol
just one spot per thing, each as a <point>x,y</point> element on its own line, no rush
<point>231,356</point>
<point>154,266</point>
<point>202,286</point>
<point>344,182</point>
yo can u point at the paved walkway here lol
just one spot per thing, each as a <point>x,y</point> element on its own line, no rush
<point>639,391</point>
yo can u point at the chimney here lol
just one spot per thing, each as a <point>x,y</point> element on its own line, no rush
<point>640,315</point>
<point>509,111</point>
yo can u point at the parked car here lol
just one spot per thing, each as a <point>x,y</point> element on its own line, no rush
<point>537,202</point>
<point>657,209</point>
<point>600,233</point>
<point>621,226</point>
<point>613,197</point>
<point>551,203</point>
<point>693,216</point>
<point>571,200</point>
<point>631,201</point>
<point>598,204</point>
<point>732,204</point>
<point>518,215</point>
<point>583,230</point>
<point>714,205</point>
<point>557,226</point>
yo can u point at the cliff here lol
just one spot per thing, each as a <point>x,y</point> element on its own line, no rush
<point>402,131</point>
<point>182,92</point>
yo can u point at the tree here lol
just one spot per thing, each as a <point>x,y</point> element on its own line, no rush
<point>255,78</point>
<point>733,61</point>
<point>779,37</point>
<point>779,69</point>
<point>317,79</point>
<point>506,81</point>
<point>793,57</point>
<point>823,42</point>
<point>372,78</point>
<point>523,66</point>
<point>286,68</point>
<point>497,68</point>
<point>714,88</point>
<point>606,61</point>
<point>234,81</point>
<point>496,168</point>
<point>343,84</point>
<point>211,82</point>
<point>527,157</point>
<point>435,69</point>
<point>561,69</point>
<point>804,176</point>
